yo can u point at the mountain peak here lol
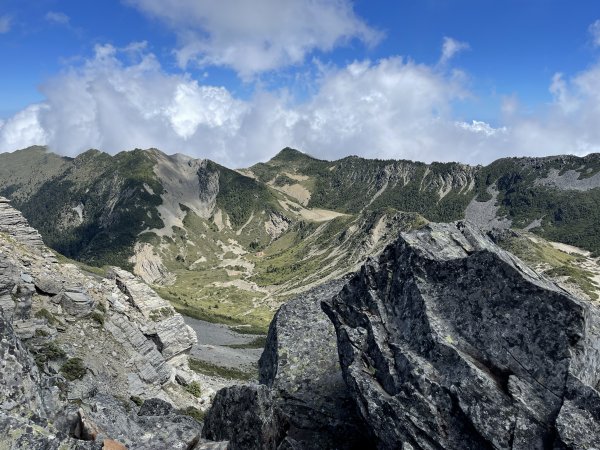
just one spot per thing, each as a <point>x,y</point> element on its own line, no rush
<point>289,154</point>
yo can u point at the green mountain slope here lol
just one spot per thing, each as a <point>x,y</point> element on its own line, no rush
<point>556,197</point>
<point>231,245</point>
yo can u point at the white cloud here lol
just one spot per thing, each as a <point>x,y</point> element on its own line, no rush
<point>450,48</point>
<point>23,129</point>
<point>480,127</point>
<point>259,35</point>
<point>59,18</point>
<point>5,24</point>
<point>594,30</point>
<point>390,108</point>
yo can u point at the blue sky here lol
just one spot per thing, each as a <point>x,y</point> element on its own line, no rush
<point>467,80</point>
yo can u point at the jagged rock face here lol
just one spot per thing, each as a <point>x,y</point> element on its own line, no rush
<point>19,389</point>
<point>302,401</point>
<point>14,224</point>
<point>246,416</point>
<point>447,341</point>
<point>76,350</point>
<point>300,363</point>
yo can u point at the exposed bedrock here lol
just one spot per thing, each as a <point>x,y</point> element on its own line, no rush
<point>447,341</point>
<point>302,399</point>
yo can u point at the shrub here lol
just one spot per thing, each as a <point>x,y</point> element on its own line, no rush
<point>194,389</point>
<point>98,317</point>
<point>45,314</point>
<point>49,351</point>
<point>137,400</point>
<point>73,369</point>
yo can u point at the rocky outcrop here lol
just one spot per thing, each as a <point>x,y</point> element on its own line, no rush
<point>148,265</point>
<point>15,225</point>
<point>302,401</point>
<point>166,328</point>
<point>76,304</point>
<point>300,363</point>
<point>447,341</point>
<point>78,353</point>
<point>247,417</point>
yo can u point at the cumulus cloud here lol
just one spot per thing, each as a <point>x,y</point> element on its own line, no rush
<point>59,18</point>
<point>23,129</point>
<point>259,35</point>
<point>5,24</point>
<point>389,108</point>
<point>450,48</point>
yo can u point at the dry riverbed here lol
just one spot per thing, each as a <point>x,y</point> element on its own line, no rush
<point>222,346</point>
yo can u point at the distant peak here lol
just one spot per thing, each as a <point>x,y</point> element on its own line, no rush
<point>289,154</point>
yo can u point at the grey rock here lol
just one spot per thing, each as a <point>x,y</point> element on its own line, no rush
<point>26,278</point>
<point>569,180</point>
<point>167,328</point>
<point>20,390</point>
<point>247,417</point>
<point>49,286</point>
<point>21,434</point>
<point>76,304</point>
<point>150,366</point>
<point>15,225</point>
<point>301,364</point>
<point>44,311</point>
<point>209,445</point>
<point>150,432</point>
<point>578,423</point>
<point>155,407</point>
<point>447,341</point>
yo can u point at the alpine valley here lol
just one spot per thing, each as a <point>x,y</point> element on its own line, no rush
<point>399,304</point>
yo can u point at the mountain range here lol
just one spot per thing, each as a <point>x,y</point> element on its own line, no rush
<point>231,245</point>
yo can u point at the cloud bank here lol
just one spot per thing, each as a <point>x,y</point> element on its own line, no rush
<point>390,108</point>
<point>121,98</point>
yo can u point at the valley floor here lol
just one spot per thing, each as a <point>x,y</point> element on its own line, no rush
<point>218,344</point>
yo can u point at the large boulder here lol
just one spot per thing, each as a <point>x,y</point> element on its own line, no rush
<point>447,341</point>
<point>302,402</point>
<point>301,364</point>
<point>76,304</point>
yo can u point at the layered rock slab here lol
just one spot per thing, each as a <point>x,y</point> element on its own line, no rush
<point>447,341</point>
<point>77,352</point>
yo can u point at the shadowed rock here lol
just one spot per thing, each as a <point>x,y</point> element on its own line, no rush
<point>447,341</point>
<point>302,397</point>
<point>300,362</point>
<point>247,417</point>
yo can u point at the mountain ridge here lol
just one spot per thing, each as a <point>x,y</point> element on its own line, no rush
<point>231,245</point>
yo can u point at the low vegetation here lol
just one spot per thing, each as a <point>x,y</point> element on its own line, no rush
<point>257,342</point>
<point>194,388</point>
<point>213,370</point>
<point>553,262</point>
<point>195,413</point>
<point>50,351</point>
<point>45,314</point>
<point>73,369</point>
